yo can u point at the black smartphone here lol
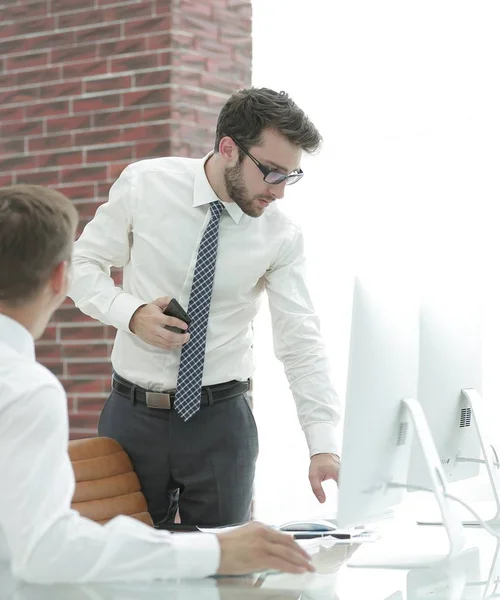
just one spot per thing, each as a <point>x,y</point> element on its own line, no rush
<point>174,309</point>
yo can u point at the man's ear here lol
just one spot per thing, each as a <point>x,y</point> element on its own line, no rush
<point>228,150</point>
<point>59,278</point>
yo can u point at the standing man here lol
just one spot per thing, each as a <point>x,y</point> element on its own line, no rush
<point>208,233</point>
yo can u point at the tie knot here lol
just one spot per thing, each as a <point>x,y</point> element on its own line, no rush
<point>216,208</point>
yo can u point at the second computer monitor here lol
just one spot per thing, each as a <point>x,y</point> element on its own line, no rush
<point>450,360</point>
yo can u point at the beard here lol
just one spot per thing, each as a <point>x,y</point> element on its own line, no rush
<point>238,192</point>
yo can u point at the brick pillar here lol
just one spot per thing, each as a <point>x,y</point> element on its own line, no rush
<point>87,86</point>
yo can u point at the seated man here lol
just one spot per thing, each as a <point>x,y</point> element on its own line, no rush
<point>44,540</point>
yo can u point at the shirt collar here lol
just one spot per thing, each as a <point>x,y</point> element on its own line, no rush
<point>204,193</point>
<point>17,337</point>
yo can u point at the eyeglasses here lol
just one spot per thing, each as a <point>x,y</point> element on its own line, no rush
<point>272,176</point>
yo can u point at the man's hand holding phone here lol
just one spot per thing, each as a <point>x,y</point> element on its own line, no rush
<point>158,323</point>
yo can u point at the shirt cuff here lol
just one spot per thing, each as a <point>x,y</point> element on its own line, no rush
<point>196,554</point>
<point>321,438</point>
<point>121,310</point>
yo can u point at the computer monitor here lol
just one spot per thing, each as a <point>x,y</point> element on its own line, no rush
<point>383,370</point>
<point>449,389</point>
<point>382,414</point>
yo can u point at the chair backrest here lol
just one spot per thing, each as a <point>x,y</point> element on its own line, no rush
<point>106,483</point>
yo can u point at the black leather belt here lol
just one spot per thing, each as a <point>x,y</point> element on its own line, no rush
<point>165,400</point>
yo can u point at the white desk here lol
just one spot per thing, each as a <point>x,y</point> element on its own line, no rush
<point>332,581</point>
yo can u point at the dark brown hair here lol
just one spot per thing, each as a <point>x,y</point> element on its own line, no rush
<point>37,229</point>
<point>248,112</point>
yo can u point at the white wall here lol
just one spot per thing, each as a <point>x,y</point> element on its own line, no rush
<point>407,97</point>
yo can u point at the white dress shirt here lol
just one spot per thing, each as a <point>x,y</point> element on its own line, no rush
<point>42,537</point>
<point>152,226</point>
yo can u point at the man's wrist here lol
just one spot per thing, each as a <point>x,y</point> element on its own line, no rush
<point>122,309</point>
<point>332,454</point>
<point>131,325</point>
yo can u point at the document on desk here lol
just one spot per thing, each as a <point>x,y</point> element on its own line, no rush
<point>348,536</point>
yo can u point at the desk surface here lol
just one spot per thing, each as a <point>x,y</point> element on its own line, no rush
<point>465,578</point>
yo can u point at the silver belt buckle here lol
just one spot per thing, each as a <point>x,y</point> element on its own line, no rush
<point>158,400</point>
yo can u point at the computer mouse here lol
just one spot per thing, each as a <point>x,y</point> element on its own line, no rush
<point>316,525</point>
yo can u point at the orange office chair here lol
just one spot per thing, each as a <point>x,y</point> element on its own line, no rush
<point>106,483</point>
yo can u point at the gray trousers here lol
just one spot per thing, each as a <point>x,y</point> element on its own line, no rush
<point>205,467</point>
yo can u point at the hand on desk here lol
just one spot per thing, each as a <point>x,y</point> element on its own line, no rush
<point>255,547</point>
<point>323,467</point>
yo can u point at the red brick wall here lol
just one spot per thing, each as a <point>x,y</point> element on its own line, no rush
<point>87,86</point>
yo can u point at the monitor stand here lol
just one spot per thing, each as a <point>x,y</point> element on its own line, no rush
<point>458,579</point>
<point>492,582</point>
<point>396,552</point>
<point>491,460</point>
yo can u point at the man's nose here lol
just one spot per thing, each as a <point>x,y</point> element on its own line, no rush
<point>278,190</point>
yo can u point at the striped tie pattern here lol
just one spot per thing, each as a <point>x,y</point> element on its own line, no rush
<point>189,379</point>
